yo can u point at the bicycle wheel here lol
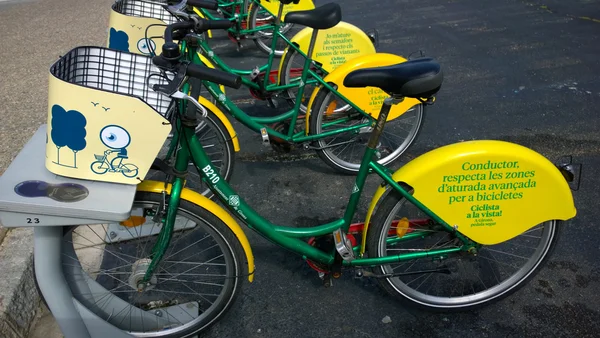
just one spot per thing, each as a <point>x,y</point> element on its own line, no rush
<point>129,170</point>
<point>217,144</point>
<point>291,71</point>
<point>97,167</point>
<point>195,283</point>
<point>344,151</point>
<point>460,281</point>
<point>264,38</point>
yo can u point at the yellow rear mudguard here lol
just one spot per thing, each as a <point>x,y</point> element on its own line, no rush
<point>212,207</point>
<point>491,191</point>
<point>369,99</point>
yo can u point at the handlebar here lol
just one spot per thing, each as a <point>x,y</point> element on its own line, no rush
<point>169,59</point>
<point>204,4</point>
<point>203,73</point>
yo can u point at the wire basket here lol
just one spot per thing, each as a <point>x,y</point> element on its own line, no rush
<point>143,9</point>
<point>113,71</point>
<point>137,26</point>
<point>101,107</point>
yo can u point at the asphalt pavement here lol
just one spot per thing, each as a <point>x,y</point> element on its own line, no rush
<point>521,71</point>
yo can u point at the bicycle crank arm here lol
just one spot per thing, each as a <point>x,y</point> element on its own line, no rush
<point>387,275</point>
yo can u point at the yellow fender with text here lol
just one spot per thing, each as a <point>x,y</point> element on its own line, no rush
<point>333,46</point>
<point>491,190</point>
<point>212,207</point>
<point>369,99</point>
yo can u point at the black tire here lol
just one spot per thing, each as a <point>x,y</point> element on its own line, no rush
<point>232,251</point>
<point>286,77</point>
<point>317,113</point>
<point>262,36</point>
<point>374,239</point>
<point>225,163</point>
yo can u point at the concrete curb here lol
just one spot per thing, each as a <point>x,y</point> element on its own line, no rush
<point>19,299</point>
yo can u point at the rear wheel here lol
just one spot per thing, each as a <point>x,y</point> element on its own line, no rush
<point>462,280</point>
<point>344,151</point>
<point>291,72</point>
<point>192,287</point>
<point>263,38</point>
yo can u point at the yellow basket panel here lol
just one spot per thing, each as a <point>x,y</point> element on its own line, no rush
<point>127,26</point>
<point>102,133</point>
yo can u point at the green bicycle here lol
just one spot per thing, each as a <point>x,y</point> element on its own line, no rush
<point>458,227</point>
<point>335,126</point>
<point>251,20</point>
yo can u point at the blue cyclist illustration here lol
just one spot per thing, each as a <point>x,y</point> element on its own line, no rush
<point>117,139</point>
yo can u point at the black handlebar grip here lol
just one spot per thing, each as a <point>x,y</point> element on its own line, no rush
<point>206,4</point>
<point>216,24</point>
<point>213,75</point>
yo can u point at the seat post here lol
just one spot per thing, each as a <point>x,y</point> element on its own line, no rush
<point>313,41</point>
<point>279,14</point>
<point>381,120</point>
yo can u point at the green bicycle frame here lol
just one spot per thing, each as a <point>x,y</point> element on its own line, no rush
<point>258,123</point>
<point>289,237</point>
<point>228,9</point>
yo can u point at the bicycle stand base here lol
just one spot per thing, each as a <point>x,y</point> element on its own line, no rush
<point>30,195</point>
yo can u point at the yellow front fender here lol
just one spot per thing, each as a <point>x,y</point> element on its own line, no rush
<point>221,116</point>
<point>369,99</point>
<point>212,207</point>
<point>491,190</point>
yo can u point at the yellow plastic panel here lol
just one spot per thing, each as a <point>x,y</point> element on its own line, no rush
<point>335,45</point>
<point>92,131</point>
<point>212,207</point>
<point>492,190</point>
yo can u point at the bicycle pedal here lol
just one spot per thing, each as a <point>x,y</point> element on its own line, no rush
<point>272,103</point>
<point>265,137</point>
<point>343,245</point>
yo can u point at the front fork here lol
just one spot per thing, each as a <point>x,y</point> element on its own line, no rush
<point>186,126</point>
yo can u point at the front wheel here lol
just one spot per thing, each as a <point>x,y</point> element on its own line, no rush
<point>217,144</point>
<point>344,151</point>
<point>129,170</point>
<point>191,288</point>
<point>459,281</point>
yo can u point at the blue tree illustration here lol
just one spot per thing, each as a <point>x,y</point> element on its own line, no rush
<point>68,129</point>
<point>118,40</point>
